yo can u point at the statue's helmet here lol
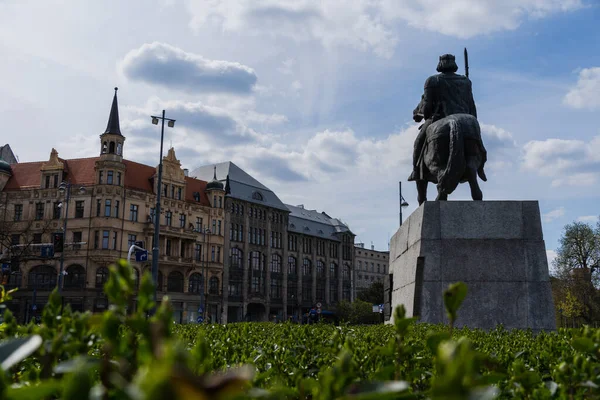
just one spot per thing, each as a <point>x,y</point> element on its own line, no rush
<point>447,64</point>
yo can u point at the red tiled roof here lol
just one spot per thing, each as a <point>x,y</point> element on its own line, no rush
<point>81,171</point>
<point>137,176</point>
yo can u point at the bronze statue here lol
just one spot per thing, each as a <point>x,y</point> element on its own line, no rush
<point>448,149</point>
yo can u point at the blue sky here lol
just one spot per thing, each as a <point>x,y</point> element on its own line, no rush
<point>315,98</point>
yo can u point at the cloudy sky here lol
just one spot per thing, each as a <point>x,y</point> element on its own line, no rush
<point>314,98</point>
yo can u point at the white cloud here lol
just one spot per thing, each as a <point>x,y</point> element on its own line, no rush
<point>162,64</point>
<point>566,161</point>
<point>586,94</point>
<point>366,24</point>
<point>554,214</point>
<point>588,218</point>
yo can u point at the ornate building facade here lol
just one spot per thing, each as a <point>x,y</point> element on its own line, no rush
<point>111,207</point>
<point>370,266</point>
<point>226,240</point>
<point>281,260</point>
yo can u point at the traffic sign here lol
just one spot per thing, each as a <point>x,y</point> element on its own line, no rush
<point>318,305</point>
<point>34,307</point>
<point>318,311</point>
<point>141,255</point>
<point>199,319</point>
<point>5,268</point>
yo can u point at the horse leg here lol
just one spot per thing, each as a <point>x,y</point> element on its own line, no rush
<point>442,196</point>
<point>476,193</point>
<point>421,191</point>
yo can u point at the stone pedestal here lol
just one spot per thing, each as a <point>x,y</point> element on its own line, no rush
<point>495,247</point>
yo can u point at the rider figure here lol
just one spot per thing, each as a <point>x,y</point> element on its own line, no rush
<point>445,94</point>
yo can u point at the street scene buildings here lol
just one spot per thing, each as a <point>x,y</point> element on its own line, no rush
<point>230,249</point>
<point>370,266</point>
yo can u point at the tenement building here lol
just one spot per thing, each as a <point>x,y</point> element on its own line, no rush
<point>369,266</point>
<point>228,245</point>
<point>281,259</point>
<point>108,203</point>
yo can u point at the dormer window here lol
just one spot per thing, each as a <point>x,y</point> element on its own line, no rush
<point>257,196</point>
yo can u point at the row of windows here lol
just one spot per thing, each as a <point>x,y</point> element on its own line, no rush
<point>372,254</point>
<point>107,242</point>
<point>48,179</point>
<point>111,178</point>
<point>257,261</point>
<point>236,232</point>
<point>380,270</point>
<point>40,208</point>
<point>368,278</point>
<point>176,192</point>
<point>276,238</point>
<point>107,208</point>
<point>45,277</point>
<point>257,235</point>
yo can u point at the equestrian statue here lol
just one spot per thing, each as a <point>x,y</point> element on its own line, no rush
<point>448,149</point>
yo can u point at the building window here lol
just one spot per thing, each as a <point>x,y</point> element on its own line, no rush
<point>212,254</point>
<point>165,189</point>
<point>114,245</point>
<point>79,207</point>
<point>101,276</point>
<point>276,264</point>
<point>133,212</point>
<point>219,254</point>
<point>119,178</point>
<point>179,192</point>
<point>198,252</point>
<point>182,249</point>
<point>175,282</point>
<point>55,180</point>
<point>214,227</point>
<point>153,215</point>
<point>37,238</point>
<point>109,177</point>
<point>182,220</point>
<point>75,277</point>
<point>101,177</point>
<point>131,239</point>
<point>117,203</point>
<point>292,268</point>
<point>198,224</point>
<point>235,259</point>
<point>39,211</point>
<point>276,288</point>
<point>320,269</point>
<point>107,208</point>
<point>195,283</point>
<point>105,237</point>
<point>77,239</point>
<point>47,183</point>
<point>306,267</point>
<point>18,212</point>
<point>42,277</point>
<point>172,191</point>
<point>96,239</point>
<point>213,285</point>
<point>98,207</point>
<point>56,210</point>
<point>219,227</point>
<point>15,239</point>
<point>168,247</point>
<point>168,218</point>
<point>119,148</point>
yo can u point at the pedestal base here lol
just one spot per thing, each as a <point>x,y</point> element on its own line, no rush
<point>495,247</point>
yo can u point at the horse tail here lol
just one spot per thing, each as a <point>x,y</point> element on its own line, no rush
<point>455,167</point>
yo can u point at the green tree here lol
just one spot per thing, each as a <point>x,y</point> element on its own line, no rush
<point>373,294</point>
<point>576,266</point>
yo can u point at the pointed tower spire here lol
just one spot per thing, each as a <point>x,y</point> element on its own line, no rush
<point>113,119</point>
<point>215,175</point>
<point>227,187</point>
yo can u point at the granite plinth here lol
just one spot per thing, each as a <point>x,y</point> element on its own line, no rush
<point>495,247</point>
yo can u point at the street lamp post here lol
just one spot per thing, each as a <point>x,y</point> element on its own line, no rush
<point>65,188</point>
<point>170,123</point>
<point>204,293</point>
<point>403,203</point>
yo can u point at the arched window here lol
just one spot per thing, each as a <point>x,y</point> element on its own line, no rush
<point>292,267</point>
<point>101,277</point>
<point>42,277</point>
<point>75,277</point>
<point>104,147</point>
<point>195,283</point>
<point>119,148</point>
<point>175,282</point>
<point>346,272</point>
<point>276,264</point>
<point>257,196</point>
<point>213,285</point>
<point>111,147</point>
<point>320,269</point>
<point>235,258</point>
<point>333,271</point>
<point>306,267</point>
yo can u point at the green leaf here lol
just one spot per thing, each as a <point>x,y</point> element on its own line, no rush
<point>434,340</point>
<point>453,298</point>
<point>583,344</point>
<point>15,350</point>
<point>44,390</point>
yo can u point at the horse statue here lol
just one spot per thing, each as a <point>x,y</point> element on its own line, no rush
<point>453,153</point>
